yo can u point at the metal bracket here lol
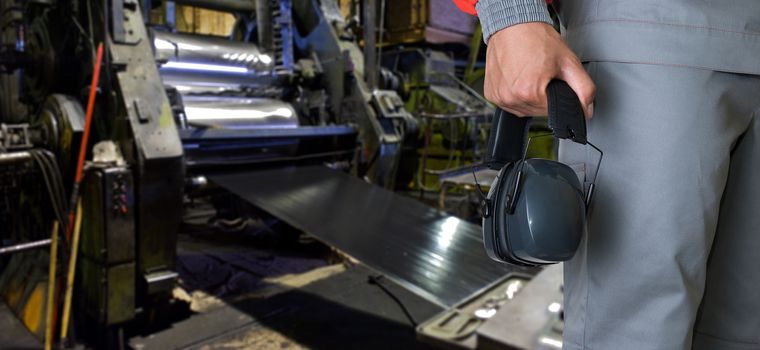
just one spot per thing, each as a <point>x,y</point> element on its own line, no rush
<point>14,136</point>
<point>122,31</point>
<point>142,115</point>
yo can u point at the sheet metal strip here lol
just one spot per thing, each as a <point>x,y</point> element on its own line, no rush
<point>436,256</point>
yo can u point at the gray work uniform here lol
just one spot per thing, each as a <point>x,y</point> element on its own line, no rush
<point>672,256</point>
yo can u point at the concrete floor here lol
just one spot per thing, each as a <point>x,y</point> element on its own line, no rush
<point>262,289</point>
<point>259,288</point>
<point>13,334</point>
<point>341,311</point>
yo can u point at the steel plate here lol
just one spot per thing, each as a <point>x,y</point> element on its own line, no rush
<point>437,256</point>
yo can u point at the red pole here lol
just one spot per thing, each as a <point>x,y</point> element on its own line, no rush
<point>80,162</point>
<point>85,138</point>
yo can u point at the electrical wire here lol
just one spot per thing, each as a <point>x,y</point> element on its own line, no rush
<point>57,179</point>
<point>53,181</point>
<point>48,184</point>
<point>376,281</point>
<point>52,177</point>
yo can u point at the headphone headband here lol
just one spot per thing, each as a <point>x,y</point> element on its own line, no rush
<point>548,227</point>
<point>507,141</point>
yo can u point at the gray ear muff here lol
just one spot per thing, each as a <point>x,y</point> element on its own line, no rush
<point>535,211</point>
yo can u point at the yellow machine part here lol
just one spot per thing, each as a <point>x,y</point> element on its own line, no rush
<point>34,309</point>
<point>23,287</point>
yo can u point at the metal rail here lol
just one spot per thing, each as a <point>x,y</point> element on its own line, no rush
<point>24,246</point>
<point>13,157</point>
<point>221,5</point>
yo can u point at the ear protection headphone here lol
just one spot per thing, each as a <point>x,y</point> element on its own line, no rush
<point>535,211</point>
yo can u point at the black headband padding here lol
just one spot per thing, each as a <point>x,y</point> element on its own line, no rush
<point>507,139</point>
<point>506,143</point>
<point>566,118</point>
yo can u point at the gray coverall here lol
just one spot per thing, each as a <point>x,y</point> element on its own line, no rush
<point>672,256</point>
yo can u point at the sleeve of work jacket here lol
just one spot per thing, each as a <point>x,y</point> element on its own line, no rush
<point>496,15</point>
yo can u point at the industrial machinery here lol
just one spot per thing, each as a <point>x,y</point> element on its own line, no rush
<point>294,74</point>
<point>50,62</point>
<point>258,112</point>
<point>454,118</point>
<point>286,87</point>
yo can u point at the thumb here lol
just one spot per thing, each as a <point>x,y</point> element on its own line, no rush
<point>577,78</point>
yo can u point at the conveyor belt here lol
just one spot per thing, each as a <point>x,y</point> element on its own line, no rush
<point>436,256</point>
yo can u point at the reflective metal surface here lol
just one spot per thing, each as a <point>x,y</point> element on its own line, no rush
<point>533,318</point>
<point>189,136</point>
<point>195,61</point>
<point>13,157</point>
<point>216,148</point>
<point>222,5</point>
<point>238,112</point>
<point>437,256</point>
<point>21,247</point>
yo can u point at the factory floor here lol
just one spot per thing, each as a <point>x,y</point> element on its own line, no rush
<point>13,334</point>
<point>255,287</point>
<point>260,289</point>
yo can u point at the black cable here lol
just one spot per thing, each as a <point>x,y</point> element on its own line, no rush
<point>53,190</point>
<point>51,177</point>
<point>46,179</point>
<point>56,178</point>
<point>55,172</point>
<point>48,184</point>
<point>57,181</point>
<point>58,175</point>
<point>376,281</point>
<point>49,187</point>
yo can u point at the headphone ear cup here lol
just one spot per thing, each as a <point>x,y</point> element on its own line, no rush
<point>506,231</point>
<point>490,212</point>
<point>496,224</point>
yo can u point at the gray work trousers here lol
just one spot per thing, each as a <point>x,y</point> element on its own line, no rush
<point>671,259</point>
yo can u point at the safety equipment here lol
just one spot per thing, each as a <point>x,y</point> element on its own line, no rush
<point>535,211</point>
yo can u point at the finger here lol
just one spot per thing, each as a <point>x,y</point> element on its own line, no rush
<point>579,80</point>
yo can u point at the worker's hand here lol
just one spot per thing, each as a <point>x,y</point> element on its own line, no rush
<point>520,62</point>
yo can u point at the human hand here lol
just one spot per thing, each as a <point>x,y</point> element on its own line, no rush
<point>520,62</point>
